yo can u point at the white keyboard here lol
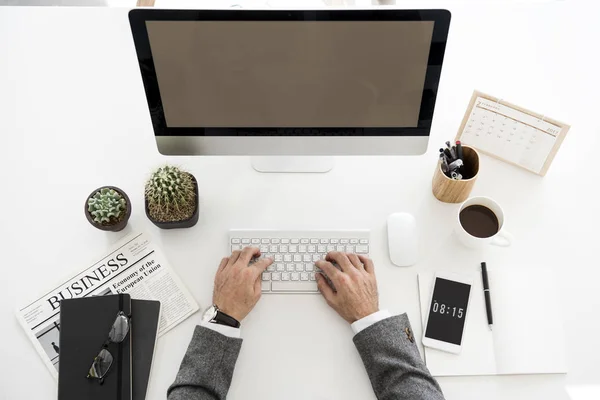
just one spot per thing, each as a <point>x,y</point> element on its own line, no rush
<point>294,254</point>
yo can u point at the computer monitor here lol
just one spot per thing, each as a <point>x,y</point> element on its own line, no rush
<point>287,83</point>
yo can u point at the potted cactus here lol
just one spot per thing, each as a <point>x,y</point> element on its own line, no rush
<point>108,208</point>
<point>171,198</point>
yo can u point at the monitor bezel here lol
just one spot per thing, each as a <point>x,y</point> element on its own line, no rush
<point>441,19</point>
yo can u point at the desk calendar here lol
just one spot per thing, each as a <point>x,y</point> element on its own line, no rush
<point>510,133</point>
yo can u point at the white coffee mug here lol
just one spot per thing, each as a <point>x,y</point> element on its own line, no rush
<point>500,238</point>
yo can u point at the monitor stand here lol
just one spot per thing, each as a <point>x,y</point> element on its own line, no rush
<point>293,163</point>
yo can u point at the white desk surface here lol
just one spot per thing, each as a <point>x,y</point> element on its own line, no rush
<point>73,117</point>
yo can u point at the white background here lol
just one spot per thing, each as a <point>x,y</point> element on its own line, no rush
<point>73,117</point>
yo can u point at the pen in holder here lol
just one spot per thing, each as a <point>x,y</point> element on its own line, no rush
<point>451,190</point>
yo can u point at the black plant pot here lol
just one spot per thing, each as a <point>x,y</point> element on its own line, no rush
<point>109,227</point>
<point>186,223</point>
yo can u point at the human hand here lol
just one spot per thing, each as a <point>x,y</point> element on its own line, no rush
<point>237,284</point>
<point>355,294</point>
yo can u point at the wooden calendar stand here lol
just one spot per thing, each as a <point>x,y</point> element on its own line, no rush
<point>511,133</point>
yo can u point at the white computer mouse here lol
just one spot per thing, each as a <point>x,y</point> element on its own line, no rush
<point>403,239</point>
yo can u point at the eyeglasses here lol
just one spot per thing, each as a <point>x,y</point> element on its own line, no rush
<point>104,360</point>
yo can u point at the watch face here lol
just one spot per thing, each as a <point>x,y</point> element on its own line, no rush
<point>209,314</point>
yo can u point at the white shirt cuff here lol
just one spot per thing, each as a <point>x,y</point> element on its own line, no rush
<point>364,323</point>
<point>228,331</point>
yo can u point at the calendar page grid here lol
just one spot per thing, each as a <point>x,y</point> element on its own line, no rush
<point>510,134</point>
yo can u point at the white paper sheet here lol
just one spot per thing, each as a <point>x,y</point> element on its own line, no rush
<point>528,335</point>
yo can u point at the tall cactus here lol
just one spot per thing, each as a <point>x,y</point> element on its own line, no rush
<point>107,206</point>
<point>170,194</point>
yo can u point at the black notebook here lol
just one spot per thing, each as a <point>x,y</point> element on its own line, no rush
<point>145,315</point>
<point>84,326</point>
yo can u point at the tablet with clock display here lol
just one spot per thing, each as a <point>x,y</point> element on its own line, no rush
<point>447,315</point>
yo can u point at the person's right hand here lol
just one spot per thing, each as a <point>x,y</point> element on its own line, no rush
<point>356,294</point>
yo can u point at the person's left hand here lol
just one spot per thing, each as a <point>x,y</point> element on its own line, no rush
<point>237,284</point>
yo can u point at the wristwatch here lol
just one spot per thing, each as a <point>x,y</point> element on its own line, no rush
<point>216,316</point>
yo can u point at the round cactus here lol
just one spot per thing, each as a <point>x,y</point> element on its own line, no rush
<point>170,193</point>
<point>107,206</point>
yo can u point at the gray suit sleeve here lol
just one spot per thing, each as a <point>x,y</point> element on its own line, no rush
<point>207,367</point>
<point>393,362</point>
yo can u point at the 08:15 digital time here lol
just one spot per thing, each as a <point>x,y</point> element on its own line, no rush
<point>443,309</point>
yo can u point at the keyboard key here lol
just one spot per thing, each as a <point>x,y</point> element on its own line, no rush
<point>364,241</point>
<point>287,257</point>
<point>235,247</point>
<point>350,249</point>
<point>312,249</point>
<point>362,249</point>
<point>265,241</point>
<point>271,268</point>
<point>303,276</point>
<point>293,248</point>
<point>312,276</point>
<point>255,241</point>
<point>265,286</point>
<point>322,249</point>
<point>294,287</point>
<point>302,249</point>
<point>340,248</point>
<point>264,248</point>
<point>307,258</point>
<point>275,241</point>
<point>278,257</point>
<point>324,241</point>
<point>316,257</point>
<point>334,241</point>
<point>294,276</point>
<point>299,267</point>
<point>273,248</point>
<point>235,241</point>
<point>330,248</point>
<point>280,267</point>
<point>344,241</point>
<point>309,267</point>
<point>245,241</point>
<point>353,241</point>
<point>314,241</point>
<point>304,241</point>
<point>285,241</point>
<point>266,276</point>
<point>276,276</point>
<point>283,248</point>
<point>297,257</point>
<point>289,267</point>
<point>285,276</point>
<point>294,241</point>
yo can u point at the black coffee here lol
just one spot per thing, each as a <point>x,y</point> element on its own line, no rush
<point>479,221</point>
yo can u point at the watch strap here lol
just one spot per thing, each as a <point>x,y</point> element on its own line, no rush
<point>223,319</point>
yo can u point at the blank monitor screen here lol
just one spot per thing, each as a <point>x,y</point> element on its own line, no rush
<point>290,73</point>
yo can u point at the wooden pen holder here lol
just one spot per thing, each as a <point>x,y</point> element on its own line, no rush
<point>450,190</point>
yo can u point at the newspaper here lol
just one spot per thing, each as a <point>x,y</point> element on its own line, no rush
<point>134,265</point>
